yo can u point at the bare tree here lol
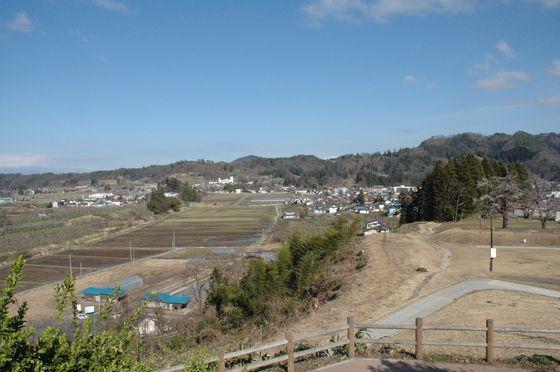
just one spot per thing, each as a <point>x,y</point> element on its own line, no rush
<point>501,193</point>
<point>541,201</point>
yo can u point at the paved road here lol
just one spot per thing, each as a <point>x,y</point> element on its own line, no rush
<point>368,365</point>
<point>519,247</point>
<point>435,301</point>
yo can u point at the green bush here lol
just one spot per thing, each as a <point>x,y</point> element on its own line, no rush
<point>106,350</point>
<point>300,273</point>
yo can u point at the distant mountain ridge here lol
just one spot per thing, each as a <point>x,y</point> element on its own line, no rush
<point>540,153</point>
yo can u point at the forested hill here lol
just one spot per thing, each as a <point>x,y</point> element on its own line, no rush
<point>539,153</point>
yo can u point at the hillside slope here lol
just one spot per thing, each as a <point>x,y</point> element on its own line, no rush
<point>540,153</point>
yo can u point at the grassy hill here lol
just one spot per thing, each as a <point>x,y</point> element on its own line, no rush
<point>540,153</point>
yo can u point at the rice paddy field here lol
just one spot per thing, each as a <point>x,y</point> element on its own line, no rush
<point>219,221</point>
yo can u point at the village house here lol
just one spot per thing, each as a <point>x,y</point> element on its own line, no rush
<point>105,292</point>
<point>166,301</point>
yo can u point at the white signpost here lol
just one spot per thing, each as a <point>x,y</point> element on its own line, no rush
<point>492,256</point>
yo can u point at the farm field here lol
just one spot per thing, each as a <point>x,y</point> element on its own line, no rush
<point>200,227</point>
<point>222,221</point>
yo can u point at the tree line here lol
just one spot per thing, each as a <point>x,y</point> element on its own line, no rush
<point>463,185</point>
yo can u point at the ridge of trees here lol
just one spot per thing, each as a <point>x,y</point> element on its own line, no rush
<point>451,190</point>
<point>538,153</point>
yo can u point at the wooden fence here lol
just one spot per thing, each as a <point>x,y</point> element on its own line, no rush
<point>290,357</point>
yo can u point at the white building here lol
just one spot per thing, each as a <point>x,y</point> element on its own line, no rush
<point>225,181</point>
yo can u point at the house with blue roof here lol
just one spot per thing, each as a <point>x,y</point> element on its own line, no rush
<point>104,292</point>
<point>167,301</point>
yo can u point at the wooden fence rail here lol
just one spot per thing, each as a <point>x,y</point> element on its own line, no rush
<point>291,355</point>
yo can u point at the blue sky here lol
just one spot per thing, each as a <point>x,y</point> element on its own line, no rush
<point>99,84</point>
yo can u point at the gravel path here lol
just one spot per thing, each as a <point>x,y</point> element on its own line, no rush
<point>441,298</point>
<point>368,365</point>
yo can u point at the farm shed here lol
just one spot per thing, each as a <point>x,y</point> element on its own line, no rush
<point>104,293</point>
<point>166,301</point>
<point>223,251</point>
<point>267,256</point>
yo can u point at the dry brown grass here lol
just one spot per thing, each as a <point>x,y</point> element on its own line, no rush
<point>508,309</point>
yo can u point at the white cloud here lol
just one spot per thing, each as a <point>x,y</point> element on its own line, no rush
<point>506,49</point>
<point>409,79</point>
<point>555,69</point>
<point>502,79</point>
<point>319,11</point>
<point>552,101</point>
<point>112,5</point>
<point>21,23</point>
<point>549,4</point>
<point>79,35</point>
<point>22,160</point>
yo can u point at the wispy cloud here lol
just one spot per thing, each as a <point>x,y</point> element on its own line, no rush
<point>22,160</point>
<point>550,4</point>
<point>319,11</point>
<point>409,79</point>
<point>502,80</point>
<point>112,5</point>
<point>555,69</point>
<point>506,49</point>
<point>21,23</point>
<point>552,101</point>
<point>83,38</point>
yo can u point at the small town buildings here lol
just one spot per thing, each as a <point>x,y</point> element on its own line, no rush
<point>290,216</point>
<point>170,194</point>
<point>5,200</point>
<point>375,227</point>
<point>333,209</point>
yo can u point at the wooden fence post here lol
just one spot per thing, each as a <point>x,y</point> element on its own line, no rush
<point>221,360</point>
<point>419,339</point>
<point>351,337</point>
<point>489,340</point>
<point>290,351</point>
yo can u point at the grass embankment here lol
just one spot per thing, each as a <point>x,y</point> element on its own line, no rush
<point>271,295</point>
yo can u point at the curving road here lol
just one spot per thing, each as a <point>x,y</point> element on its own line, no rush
<point>443,297</point>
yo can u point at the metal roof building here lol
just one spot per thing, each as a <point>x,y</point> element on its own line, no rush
<point>166,300</point>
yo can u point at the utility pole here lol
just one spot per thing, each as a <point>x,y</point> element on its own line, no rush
<point>130,250</point>
<point>491,241</point>
<point>70,261</point>
<point>173,241</point>
<point>80,268</point>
